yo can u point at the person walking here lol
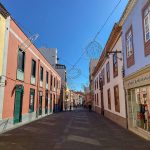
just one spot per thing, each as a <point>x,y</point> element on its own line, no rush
<point>70,107</point>
<point>90,107</point>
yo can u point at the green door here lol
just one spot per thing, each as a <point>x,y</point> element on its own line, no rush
<point>40,105</point>
<point>46,103</point>
<point>18,104</point>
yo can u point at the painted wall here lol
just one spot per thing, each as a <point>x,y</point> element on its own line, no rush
<point>135,19</point>
<point>113,82</point>
<point>16,37</point>
<point>2,37</point>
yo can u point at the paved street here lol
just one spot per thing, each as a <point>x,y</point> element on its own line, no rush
<point>76,130</point>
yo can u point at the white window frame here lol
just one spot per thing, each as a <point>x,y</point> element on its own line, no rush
<point>147,26</point>
<point>129,44</point>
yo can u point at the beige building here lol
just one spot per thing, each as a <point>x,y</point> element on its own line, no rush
<point>92,65</point>
<point>109,93</point>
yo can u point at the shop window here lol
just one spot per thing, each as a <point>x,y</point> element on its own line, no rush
<point>31,101</point>
<point>116,98</point>
<point>141,105</point>
<point>109,98</point>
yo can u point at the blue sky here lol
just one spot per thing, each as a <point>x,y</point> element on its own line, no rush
<point>68,25</point>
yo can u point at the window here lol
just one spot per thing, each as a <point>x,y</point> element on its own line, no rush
<point>108,72</point>
<point>97,100</point>
<point>21,64</point>
<point>116,98</point>
<point>33,68</point>
<point>51,80</point>
<point>47,75</point>
<point>109,98</point>
<point>103,76</point>
<point>146,28</point>
<point>129,47</point>
<point>147,23</point>
<point>97,82</point>
<point>31,102</point>
<point>115,65</point>
<point>41,73</point>
<point>21,60</point>
<point>33,72</point>
<point>129,44</point>
<point>54,82</point>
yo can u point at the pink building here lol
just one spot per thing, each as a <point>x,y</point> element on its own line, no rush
<point>32,86</point>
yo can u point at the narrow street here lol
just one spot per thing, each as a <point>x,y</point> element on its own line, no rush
<point>76,130</point>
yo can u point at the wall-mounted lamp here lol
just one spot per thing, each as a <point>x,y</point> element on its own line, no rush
<point>114,52</point>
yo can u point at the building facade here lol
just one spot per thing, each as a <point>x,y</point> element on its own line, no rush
<point>52,57</point>
<point>32,86</point>
<point>92,65</point>
<point>109,93</point>
<point>4,21</point>
<point>136,45</point>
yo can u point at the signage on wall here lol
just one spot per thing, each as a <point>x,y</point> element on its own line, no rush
<point>138,81</point>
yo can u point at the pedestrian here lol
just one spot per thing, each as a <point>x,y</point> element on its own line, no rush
<point>90,107</point>
<point>70,107</point>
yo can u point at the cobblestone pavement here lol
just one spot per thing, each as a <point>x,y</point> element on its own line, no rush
<point>76,130</point>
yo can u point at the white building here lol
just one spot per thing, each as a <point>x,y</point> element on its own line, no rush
<point>108,81</point>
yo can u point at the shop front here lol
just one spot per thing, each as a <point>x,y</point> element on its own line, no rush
<point>138,102</point>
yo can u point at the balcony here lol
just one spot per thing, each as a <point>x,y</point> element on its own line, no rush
<point>41,83</point>
<point>47,86</point>
<point>33,80</point>
<point>20,75</point>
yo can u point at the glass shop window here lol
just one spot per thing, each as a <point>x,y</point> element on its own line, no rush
<point>143,108</point>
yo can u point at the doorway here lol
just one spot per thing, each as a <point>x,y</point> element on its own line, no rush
<point>40,104</point>
<point>18,104</point>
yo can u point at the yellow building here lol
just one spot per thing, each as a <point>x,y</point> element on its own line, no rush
<point>3,16</point>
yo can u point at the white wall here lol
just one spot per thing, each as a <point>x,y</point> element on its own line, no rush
<point>113,82</point>
<point>135,19</point>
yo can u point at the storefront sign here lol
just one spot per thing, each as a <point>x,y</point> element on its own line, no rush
<point>138,81</point>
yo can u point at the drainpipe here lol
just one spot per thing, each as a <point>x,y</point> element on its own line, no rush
<point>125,92</point>
<point>37,102</point>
